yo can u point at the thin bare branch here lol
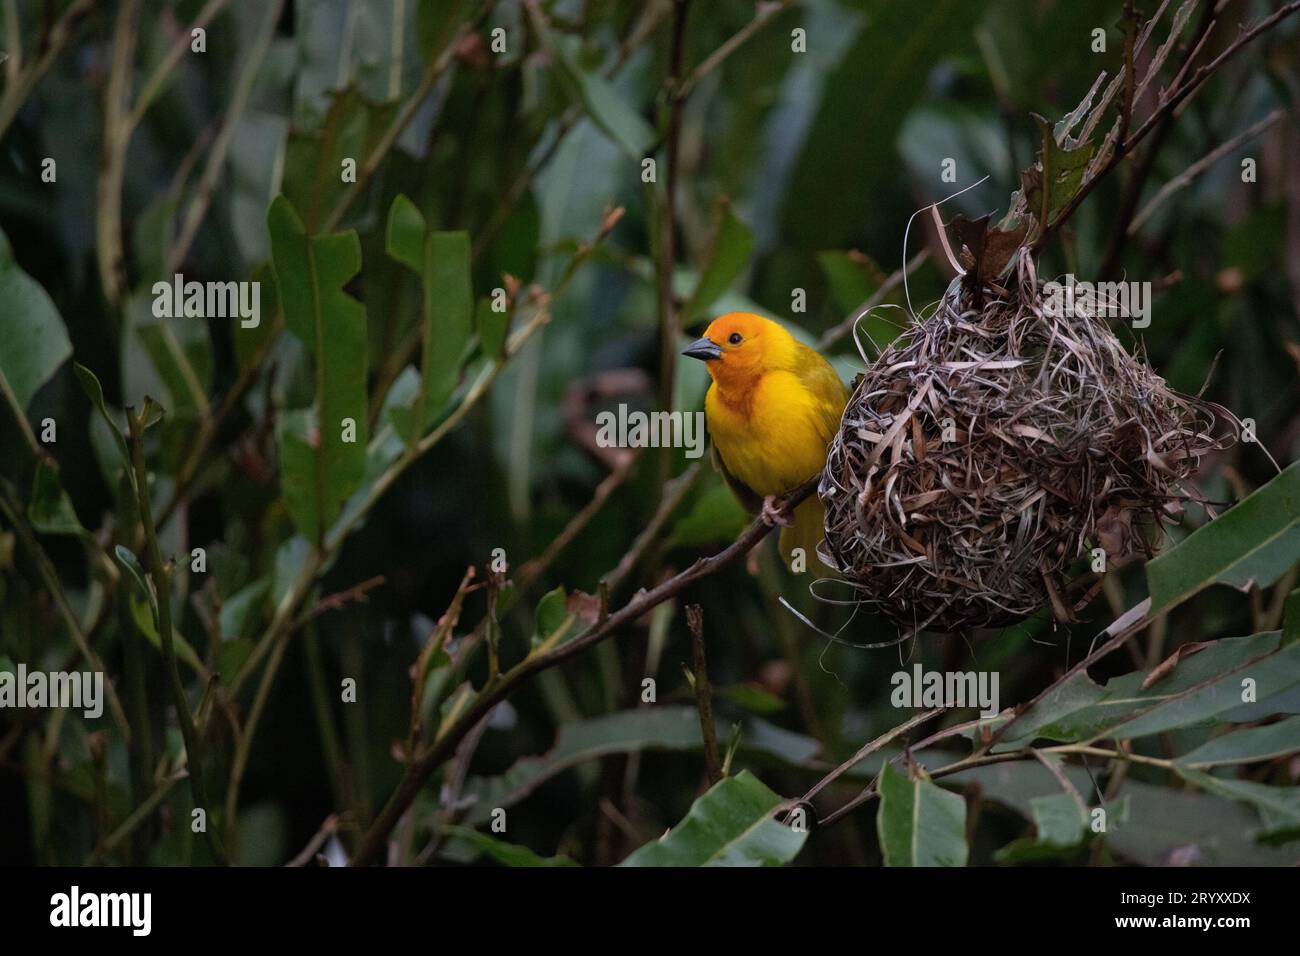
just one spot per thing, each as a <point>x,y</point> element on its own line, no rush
<point>371,846</point>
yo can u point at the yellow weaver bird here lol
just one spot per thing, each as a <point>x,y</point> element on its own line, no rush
<point>772,410</point>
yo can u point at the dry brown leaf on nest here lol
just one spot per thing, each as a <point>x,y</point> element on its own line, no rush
<point>1165,667</point>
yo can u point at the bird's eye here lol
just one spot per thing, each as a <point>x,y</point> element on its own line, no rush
<point>734,338</point>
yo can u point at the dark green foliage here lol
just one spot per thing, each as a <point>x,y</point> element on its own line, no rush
<point>460,257</point>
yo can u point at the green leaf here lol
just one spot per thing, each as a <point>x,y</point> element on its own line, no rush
<point>1063,700</point>
<point>1148,824</point>
<point>660,728</point>
<point>241,608</point>
<point>90,385</point>
<point>35,342</point>
<point>519,244</point>
<point>289,560</point>
<point>1246,746</point>
<point>919,823</point>
<point>1202,687</point>
<point>448,315</point>
<point>1060,827</point>
<point>731,825</point>
<point>1278,807</point>
<point>715,515</point>
<point>1254,542</point>
<point>1179,826</point>
<point>1054,180</point>
<point>1200,691</point>
<point>507,854</point>
<point>435,661</point>
<point>552,620</point>
<point>733,242</point>
<point>310,274</point>
<point>129,563</point>
<point>552,612</point>
<point>1291,618</point>
<point>492,328</point>
<point>390,439</point>
<point>230,656</point>
<point>625,732</point>
<point>1058,819</point>
<point>404,237</point>
<point>298,458</point>
<point>751,697</point>
<point>144,609</point>
<point>851,280</point>
<point>603,103</point>
<point>313,159</point>
<point>49,510</point>
<point>231,569</point>
<point>435,23</point>
<point>442,260</point>
<point>142,612</point>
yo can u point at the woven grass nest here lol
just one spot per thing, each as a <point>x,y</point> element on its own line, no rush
<point>1059,442</point>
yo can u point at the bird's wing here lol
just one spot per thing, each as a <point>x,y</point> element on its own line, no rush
<point>823,382</point>
<point>744,494</point>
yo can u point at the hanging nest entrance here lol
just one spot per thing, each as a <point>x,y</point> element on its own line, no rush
<point>990,446</point>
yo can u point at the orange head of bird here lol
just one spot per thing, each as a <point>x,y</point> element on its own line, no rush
<point>740,345</point>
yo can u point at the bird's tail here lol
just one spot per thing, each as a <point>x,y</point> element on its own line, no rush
<point>806,532</point>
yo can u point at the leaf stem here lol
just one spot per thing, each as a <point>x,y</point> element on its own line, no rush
<point>161,575</point>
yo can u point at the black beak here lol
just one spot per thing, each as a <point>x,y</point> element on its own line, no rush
<point>703,349</point>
